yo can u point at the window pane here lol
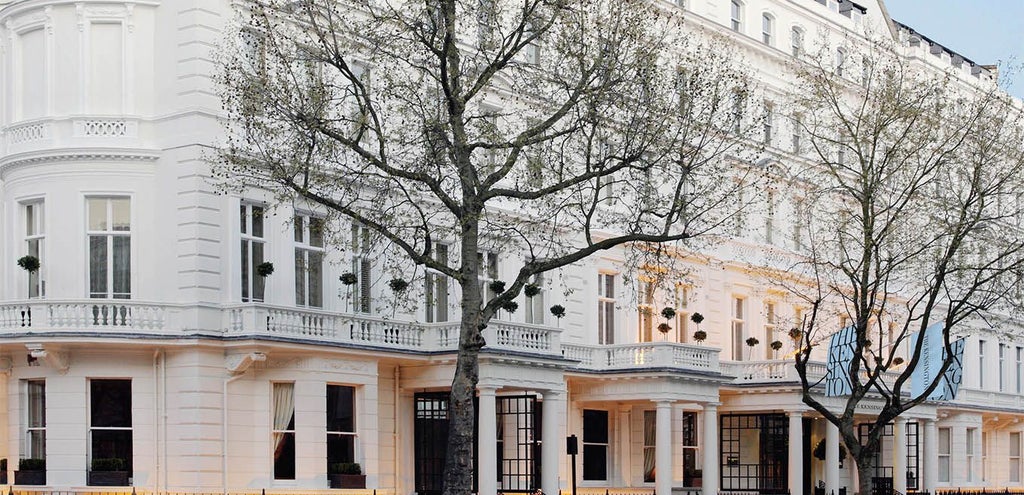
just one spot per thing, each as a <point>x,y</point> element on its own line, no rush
<point>257,280</point>
<point>595,462</point>
<point>111,403</point>
<point>298,228</point>
<point>340,408</point>
<point>316,280</point>
<point>340,448</point>
<point>97,265</point>
<point>30,220</point>
<point>257,221</point>
<point>245,270</point>
<point>244,219</point>
<point>122,266</point>
<point>36,404</point>
<point>316,232</point>
<point>595,426</point>
<point>284,456</point>
<point>121,210</point>
<point>97,213</point>
<point>37,444</point>
<point>113,444</point>
<point>300,277</point>
<point>1015,444</point>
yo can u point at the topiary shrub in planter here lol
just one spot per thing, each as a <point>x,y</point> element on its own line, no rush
<point>346,475</point>
<point>108,472</point>
<point>30,472</point>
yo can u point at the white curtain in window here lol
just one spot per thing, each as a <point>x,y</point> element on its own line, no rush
<point>284,410</point>
<point>650,440</point>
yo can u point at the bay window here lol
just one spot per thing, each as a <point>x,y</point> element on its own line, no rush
<point>110,242</point>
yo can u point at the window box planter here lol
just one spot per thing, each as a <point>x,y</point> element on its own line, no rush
<point>108,478</point>
<point>357,481</point>
<point>24,477</point>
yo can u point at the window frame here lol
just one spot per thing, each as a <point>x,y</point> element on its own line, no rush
<point>944,453</point>
<point>606,312</point>
<point>305,248</point>
<point>353,434</point>
<point>30,430</point>
<point>767,28</point>
<point>435,308</point>
<point>285,431</point>
<point>589,444</point>
<point>34,218</point>
<point>736,15</point>
<point>796,41</point>
<point>108,236</point>
<point>738,321</point>
<point>130,429</point>
<point>251,282</point>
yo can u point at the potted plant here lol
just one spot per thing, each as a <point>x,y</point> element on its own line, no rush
<point>108,472</point>
<point>699,336</point>
<point>668,314</point>
<point>510,306</point>
<point>694,478</point>
<point>776,345</point>
<point>558,311</point>
<point>348,279</point>
<point>29,263</point>
<point>819,451</point>
<point>346,475</point>
<point>265,269</point>
<point>751,342</point>
<point>531,290</point>
<point>30,472</point>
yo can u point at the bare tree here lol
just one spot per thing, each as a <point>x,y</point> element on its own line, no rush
<point>551,128</point>
<point>911,189</point>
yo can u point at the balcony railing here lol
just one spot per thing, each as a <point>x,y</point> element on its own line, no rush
<point>644,355</point>
<point>42,316</point>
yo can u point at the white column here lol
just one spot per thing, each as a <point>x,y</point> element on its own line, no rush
<point>487,443</point>
<point>831,458</point>
<point>979,454</point>
<point>710,445</point>
<point>663,449</point>
<point>551,434</point>
<point>796,452</point>
<point>931,456</point>
<point>899,454</point>
<point>624,451</point>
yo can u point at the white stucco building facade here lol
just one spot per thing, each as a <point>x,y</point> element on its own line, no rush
<point>147,336</point>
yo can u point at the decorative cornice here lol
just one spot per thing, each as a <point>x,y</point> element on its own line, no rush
<point>13,162</point>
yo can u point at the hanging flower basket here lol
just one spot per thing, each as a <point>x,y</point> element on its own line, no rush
<point>752,341</point>
<point>531,290</point>
<point>265,269</point>
<point>796,333</point>
<point>664,328</point>
<point>697,318</point>
<point>668,313</point>
<point>700,335</point>
<point>348,278</point>
<point>776,345</point>
<point>398,284</point>
<point>510,306</point>
<point>29,263</point>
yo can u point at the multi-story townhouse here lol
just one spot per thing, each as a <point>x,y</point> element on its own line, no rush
<point>151,333</point>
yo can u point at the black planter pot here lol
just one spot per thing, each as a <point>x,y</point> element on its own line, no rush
<point>29,477</point>
<point>108,478</point>
<point>356,481</point>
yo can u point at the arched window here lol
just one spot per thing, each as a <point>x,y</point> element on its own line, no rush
<point>736,15</point>
<point>796,39</point>
<point>767,28</point>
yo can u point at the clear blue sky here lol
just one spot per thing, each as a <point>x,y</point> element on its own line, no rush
<point>985,31</point>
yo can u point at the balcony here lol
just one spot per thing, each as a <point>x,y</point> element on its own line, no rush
<point>647,355</point>
<point>114,318</point>
<point>72,133</point>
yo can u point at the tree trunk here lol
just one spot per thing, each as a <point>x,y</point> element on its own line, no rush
<point>865,474</point>
<point>458,472</point>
